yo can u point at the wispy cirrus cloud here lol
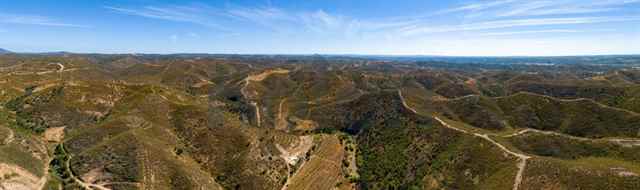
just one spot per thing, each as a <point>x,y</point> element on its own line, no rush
<point>321,21</point>
<point>324,22</point>
<point>496,14</point>
<point>614,2</point>
<point>561,7</point>
<point>318,21</point>
<point>274,18</point>
<point>189,14</point>
<point>512,8</point>
<point>36,20</point>
<point>503,14</point>
<point>260,14</point>
<point>499,24</point>
<point>477,6</point>
<point>508,33</point>
<point>560,11</point>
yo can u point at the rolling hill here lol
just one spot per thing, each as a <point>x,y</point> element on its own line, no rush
<point>4,51</point>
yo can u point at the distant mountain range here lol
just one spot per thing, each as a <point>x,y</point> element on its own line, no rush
<point>4,51</point>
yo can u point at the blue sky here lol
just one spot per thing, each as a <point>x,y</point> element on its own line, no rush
<point>402,27</point>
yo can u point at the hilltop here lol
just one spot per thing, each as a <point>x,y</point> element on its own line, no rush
<point>3,51</point>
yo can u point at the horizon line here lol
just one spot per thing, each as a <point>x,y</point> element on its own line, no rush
<point>324,54</point>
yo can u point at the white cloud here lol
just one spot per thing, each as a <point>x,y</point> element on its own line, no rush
<point>320,21</point>
<point>189,14</point>
<point>36,20</point>
<point>261,15</point>
<point>418,29</point>
<point>526,7</point>
<point>528,32</point>
<point>568,10</point>
<point>270,17</point>
<point>478,6</point>
<point>496,14</point>
<point>513,8</point>
<point>274,18</point>
<point>614,2</point>
<point>560,7</point>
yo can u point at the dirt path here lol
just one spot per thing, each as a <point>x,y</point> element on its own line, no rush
<point>575,100</point>
<point>281,122</point>
<point>441,98</point>
<point>61,67</point>
<point>294,154</point>
<point>404,103</point>
<point>619,141</point>
<point>554,98</point>
<point>82,183</point>
<point>258,119</point>
<point>78,180</point>
<point>258,78</point>
<point>523,158</point>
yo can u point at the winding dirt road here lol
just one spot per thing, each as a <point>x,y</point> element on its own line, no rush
<point>258,78</point>
<point>281,123</point>
<point>78,180</point>
<point>404,103</point>
<point>61,67</point>
<point>618,141</point>
<point>522,157</point>
<point>575,100</point>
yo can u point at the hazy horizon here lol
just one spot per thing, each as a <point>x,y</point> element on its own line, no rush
<point>312,54</point>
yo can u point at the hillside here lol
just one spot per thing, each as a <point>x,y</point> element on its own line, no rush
<point>95,121</point>
<point>4,51</point>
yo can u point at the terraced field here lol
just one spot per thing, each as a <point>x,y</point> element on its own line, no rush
<point>322,169</point>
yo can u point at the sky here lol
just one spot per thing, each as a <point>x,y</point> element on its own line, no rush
<point>380,27</point>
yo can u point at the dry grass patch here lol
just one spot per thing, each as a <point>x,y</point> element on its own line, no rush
<point>54,134</point>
